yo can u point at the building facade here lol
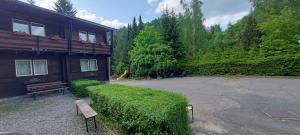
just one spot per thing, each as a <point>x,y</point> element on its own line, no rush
<point>40,45</point>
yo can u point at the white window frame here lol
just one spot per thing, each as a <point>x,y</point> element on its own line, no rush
<point>33,61</point>
<point>89,37</point>
<point>89,66</point>
<point>28,25</point>
<point>86,34</point>
<point>95,63</point>
<point>31,71</point>
<point>37,24</point>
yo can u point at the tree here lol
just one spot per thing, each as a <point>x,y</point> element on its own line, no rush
<point>141,24</point>
<point>150,57</point>
<point>65,7</point>
<point>134,28</point>
<point>250,35</point>
<point>281,35</point>
<point>31,2</point>
<point>194,35</point>
<point>170,31</point>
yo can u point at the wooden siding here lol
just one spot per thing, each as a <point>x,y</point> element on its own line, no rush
<point>10,41</point>
<point>10,85</point>
<point>75,71</point>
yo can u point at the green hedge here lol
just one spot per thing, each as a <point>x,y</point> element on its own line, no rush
<point>272,67</point>
<point>79,87</point>
<point>134,110</point>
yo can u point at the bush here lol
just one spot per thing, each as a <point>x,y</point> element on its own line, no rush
<point>270,67</point>
<point>134,110</point>
<point>79,87</point>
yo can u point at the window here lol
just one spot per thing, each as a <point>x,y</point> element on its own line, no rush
<point>93,65</point>
<point>20,26</point>
<point>23,68</point>
<point>84,64</point>
<point>31,67</point>
<point>37,29</point>
<point>92,38</point>
<point>88,65</point>
<point>40,67</point>
<point>83,36</point>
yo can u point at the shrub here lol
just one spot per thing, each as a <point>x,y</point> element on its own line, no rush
<point>270,67</point>
<point>134,110</point>
<point>79,87</point>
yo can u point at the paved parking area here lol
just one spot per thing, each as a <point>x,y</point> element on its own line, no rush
<point>49,115</point>
<point>238,106</point>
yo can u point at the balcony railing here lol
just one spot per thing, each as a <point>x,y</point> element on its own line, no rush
<point>11,41</point>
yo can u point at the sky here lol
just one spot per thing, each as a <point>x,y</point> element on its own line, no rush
<point>118,13</point>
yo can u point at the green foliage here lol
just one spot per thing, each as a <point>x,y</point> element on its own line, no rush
<point>193,32</point>
<point>134,110</point>
<point>65,7</point>
<point>273,67</point>
<point>79,87</point>
<point>281,35</point>
<point>250,36</point>
<point>150,57</point>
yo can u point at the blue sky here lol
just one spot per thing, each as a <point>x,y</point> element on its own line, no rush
<point>118,13</point>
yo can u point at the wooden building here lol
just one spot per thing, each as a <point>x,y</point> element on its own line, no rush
<point>38,44</point>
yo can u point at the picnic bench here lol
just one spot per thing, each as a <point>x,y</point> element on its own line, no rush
<point>39,88</point>
<point>87,112</point>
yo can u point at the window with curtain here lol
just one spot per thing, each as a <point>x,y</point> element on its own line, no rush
<point>37,29</point>
<point>92,38</point>
<point>93,65</point>
<point>83,36</point>
<point>23,68</point>
<point>88,65</point>
<point>20,26</point>
<point>84,64</point>
<point>40,67</point>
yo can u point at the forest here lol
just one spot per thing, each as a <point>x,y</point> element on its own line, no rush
<point>266,42</point>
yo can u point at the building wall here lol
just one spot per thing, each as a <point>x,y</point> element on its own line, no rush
<point>10,85</point>
<point>75,70</point>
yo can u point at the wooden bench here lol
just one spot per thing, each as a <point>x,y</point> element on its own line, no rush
<point>87,112</point>
<point>39,88</point>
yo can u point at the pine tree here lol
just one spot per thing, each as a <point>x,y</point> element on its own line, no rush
<point>250,34</point>
<point>31,2</point>
<point>141,24</point>
<point>134,28</point>
<point>65,7</point>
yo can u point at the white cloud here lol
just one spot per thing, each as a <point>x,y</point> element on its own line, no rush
<point>170,4</point>
<point>49,4</point>
<point>224,20</point>
<point>152,1</point>
<point>84,14</point>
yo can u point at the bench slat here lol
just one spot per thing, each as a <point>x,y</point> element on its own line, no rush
<point>85,109</point>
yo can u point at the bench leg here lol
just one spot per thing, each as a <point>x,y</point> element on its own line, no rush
<point>95,122</point>
<point>77,109</point>
<point>86,124</point>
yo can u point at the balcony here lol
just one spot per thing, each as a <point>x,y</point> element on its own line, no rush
<point>11,41</point>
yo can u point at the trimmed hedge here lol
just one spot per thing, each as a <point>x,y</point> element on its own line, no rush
<point>79,87</point>
<point>134,110</point>
<point>274,67</point>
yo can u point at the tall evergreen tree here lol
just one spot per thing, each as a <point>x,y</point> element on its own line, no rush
<point>141,24</point>
<point>170,31</point>
<point>31,2</point>
<point>250,34</point>
<point>134,28</point>
<point>65,7</point>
